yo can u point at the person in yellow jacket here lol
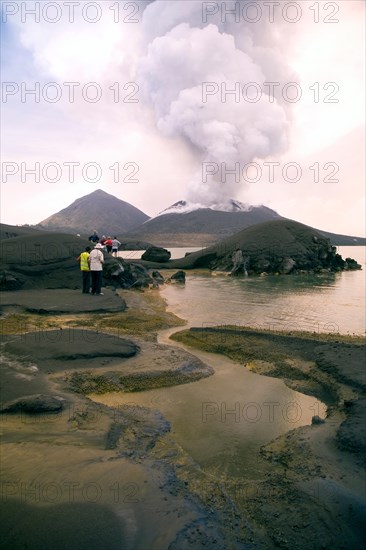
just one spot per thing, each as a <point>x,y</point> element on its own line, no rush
<point>85,269</point>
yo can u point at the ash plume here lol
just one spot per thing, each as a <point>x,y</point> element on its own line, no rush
<point>184,57</point>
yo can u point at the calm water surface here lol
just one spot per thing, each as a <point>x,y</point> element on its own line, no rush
<point>319,303</point>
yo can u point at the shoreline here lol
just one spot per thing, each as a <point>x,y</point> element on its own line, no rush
<point>304,467</point>
<point>320,466</point>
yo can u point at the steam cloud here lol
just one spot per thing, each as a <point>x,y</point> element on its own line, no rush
<point>184,54</point>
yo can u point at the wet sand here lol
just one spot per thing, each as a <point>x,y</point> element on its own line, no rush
<point>315,496</point>
<point>121,470</point>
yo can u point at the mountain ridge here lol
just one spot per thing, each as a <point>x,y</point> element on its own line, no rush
<point>173,227</point>
<point>98,211</point>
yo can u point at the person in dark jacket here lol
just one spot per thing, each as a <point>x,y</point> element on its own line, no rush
<point>94,238</point>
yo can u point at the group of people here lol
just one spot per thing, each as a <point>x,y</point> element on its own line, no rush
<point>111,245</point>
<point>91,266</point>
<point>92,261</point>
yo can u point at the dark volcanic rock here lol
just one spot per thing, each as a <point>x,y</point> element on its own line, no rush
<point>34,404</point>
<point>140,276</point>
<point>126,275</point>
<point>156,254</point>
<point>179,277</point>
<point>287,266</point>
<point>43,260</point>
<point>281,246</point>
<point>157,277</point>
<point>317,420</point>
<point>135,245</point>
<point>52,301</point>
<point>69,344</point>
<point>351,264</point>
<point>9,282</point>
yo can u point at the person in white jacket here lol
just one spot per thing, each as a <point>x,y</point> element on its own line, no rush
<point>115,245</point>
<point>96,260</point>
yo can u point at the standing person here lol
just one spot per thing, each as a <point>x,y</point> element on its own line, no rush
<point>238,261</point>
<point>103,240</point>
<point>94,238</point>
<point>85,269</point>
<point>108,244</point>
<point>96,260</point>
<point>115,245</point>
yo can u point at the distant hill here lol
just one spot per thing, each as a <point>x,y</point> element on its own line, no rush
<point>199,227</point>
<point>179,225</point>
<point>343,240</point>
<point>98,211</point>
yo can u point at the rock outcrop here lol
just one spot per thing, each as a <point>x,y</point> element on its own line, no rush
<point>179,277</point>
<point>281,246</point>
<point>122,274</point>
<point>156,254</point>
<point>34,404</point>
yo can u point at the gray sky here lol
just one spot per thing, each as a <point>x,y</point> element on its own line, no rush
<point>161,101</point>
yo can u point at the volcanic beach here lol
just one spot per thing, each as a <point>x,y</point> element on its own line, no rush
<point>72,449</point>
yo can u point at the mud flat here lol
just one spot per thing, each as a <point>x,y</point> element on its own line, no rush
<point>315,494</point>
<point>78,473</point>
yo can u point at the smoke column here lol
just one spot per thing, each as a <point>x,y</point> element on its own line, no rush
<point>182,55</point>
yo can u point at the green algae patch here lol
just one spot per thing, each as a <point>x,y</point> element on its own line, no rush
<point>136,323</point>
<point>144,317</point>
<point>88,382</point>
<point>20,323</point>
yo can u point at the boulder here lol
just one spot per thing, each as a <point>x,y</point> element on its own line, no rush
<point>156,276</point>
<point>34,404</point>
<point>179,277</point>
<point>352,264</point>
<point>140,275</point>
<point>287,265</point>
<point>134,245</point>
<point>121,274</point>
<point>317,420</point>
<point>261,264</point>
<point>156,254</point>
<point>57,349</point>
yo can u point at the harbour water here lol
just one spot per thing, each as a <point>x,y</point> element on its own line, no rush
<point>327,302</point>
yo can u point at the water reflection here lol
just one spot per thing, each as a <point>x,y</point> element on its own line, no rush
<point>326,302</point>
